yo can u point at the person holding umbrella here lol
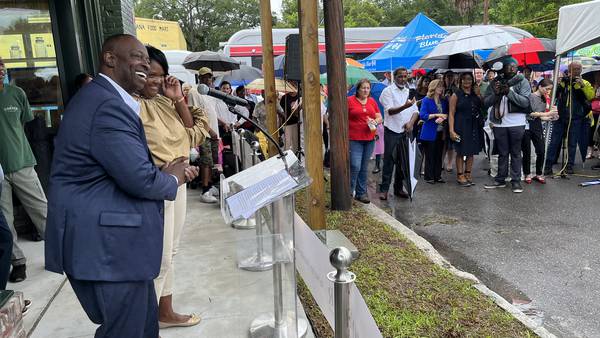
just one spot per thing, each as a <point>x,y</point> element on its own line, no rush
<point>401,113</point>
<point>364,116</point>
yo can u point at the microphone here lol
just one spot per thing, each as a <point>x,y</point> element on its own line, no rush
<point>228,99</point>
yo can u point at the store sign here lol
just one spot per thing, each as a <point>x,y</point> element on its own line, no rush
<point>165,35</point>
<point>312,262</point>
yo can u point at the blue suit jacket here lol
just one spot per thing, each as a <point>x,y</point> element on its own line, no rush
<point>428,106</point>
<point>105,204</point>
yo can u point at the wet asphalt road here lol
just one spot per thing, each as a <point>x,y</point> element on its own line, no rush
<point>540,248</point>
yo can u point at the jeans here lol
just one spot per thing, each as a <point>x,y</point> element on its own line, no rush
<point>508,141</point>
<point>390,141</point>
<point>434,152</point>
<point>360,152</point>
<point>578,135</point>
<point>6,242</point>
<point>538,143</point>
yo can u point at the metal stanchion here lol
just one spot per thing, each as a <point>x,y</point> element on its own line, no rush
<point>340,259</point>
<point>250,223</point>
<point>261,261</point>
<point>278,324</point>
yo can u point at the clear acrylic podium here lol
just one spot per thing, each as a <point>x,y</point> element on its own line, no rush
<point>266,191</point>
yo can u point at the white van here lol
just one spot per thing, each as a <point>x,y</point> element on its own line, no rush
<point>176,68</point>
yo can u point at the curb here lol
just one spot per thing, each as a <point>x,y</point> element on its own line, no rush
<point>436,258</point>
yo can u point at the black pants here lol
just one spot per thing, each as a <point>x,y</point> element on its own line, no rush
<point>391,141</point>
<point>123,309</point>
<point>6,244</point>
<point>537,137</point>
<point>434,152</point>
<point>508,141</point>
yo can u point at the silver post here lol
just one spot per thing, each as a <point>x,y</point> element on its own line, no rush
<point>249,223</point>
<point>279,218</point>
<point>242,148</point>
<point>341,258</point>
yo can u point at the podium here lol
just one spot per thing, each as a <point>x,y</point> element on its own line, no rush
<point>266,191</point>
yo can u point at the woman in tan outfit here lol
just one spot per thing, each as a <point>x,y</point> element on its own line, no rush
<point>171,130</point>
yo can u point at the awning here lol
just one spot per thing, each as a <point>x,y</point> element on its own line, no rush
<point>577,26</point>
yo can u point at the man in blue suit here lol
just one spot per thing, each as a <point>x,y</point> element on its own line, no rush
<point>105,214</point>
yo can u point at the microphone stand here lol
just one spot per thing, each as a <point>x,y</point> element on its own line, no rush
<point>267,134</point>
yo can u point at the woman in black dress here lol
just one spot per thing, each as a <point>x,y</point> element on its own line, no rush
<point>464,124</point>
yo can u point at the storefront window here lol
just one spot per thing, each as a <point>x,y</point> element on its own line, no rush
<point>27,48</point>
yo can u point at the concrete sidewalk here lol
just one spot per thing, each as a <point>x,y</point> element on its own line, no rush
<point>207,282</point>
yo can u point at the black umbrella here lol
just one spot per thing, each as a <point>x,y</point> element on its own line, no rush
<point>405,151</point>
<point>217,62</point>
<point>588,74</point>
<point>454,61</point>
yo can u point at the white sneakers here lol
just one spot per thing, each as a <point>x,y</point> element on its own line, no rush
<point>214,191</point>
<point>207,197</point>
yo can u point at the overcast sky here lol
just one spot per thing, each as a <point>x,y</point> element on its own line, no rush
<point>276,6</point>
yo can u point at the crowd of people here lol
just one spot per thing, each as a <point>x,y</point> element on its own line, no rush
<point>455,117</point>
<point>122,161</point>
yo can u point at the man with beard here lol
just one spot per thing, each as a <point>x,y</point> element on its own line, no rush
<point>105,215</point>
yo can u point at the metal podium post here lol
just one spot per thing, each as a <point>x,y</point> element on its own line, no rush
<point>279,324</point>
<point>342,279</point>
<point>251,222</point>
<point>261,261</point>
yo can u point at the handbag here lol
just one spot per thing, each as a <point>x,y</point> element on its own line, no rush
<point>596,106</point>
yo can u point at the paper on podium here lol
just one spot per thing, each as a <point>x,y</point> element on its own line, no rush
<point>249,190</point>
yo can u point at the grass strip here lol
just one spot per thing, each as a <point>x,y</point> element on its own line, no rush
<point>407,294</point>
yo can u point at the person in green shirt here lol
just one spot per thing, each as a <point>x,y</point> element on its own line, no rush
<point>18,161</point>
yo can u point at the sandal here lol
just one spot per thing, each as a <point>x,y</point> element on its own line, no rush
<point>461,180</point>
<point>469,178</point>
<point>528,179</point>
<point>541,179</point>
<point>194,320</point>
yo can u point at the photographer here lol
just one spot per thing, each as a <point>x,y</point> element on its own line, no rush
<point>574,95</point>
<point>507,99</point>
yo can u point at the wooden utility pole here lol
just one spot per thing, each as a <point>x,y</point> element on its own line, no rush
<point>266,28</point>
<point>486,10</point>
<point>311,98</point>
<point>338,105</point>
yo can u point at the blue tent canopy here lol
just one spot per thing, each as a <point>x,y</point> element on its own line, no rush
<point>416,40</point>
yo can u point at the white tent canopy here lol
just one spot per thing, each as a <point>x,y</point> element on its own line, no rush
<point>578,26</point>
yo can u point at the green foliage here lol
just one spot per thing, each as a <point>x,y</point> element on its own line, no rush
<point>362,13</point>
<point>204,23</point>
<point>516,12</point>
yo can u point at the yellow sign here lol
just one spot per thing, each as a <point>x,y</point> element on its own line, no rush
<point>12,47</point>
<point>164,35</point>
<point>42,45</point>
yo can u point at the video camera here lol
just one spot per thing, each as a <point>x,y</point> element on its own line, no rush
<point>504,83</point>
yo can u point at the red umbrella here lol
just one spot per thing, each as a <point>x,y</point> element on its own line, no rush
<point>528,51</point>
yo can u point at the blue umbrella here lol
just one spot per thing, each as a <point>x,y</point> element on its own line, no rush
<point>416,40</point>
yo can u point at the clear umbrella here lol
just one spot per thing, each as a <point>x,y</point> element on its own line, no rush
<point>471,39</point>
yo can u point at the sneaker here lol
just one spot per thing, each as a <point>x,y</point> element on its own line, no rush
<point>596,167</point>
<point>214,191</point>
<point>364,199</point>
<point>376,170</point>
<point>17,274</point>
<point>516,187</point>
<point>207,197</point>
<point>495,185</point>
